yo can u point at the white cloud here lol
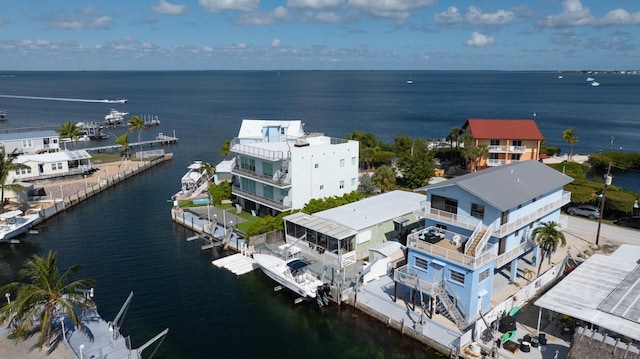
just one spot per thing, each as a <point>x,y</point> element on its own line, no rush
<point>327,17</point>
<point>574,14</point>
<point>620,17</point>
<point>497,18</point>
<point>316,4</point>
<point>214,6</point>
<point>275,43</point>
<point>207,49</point>
<point>394,9</point>
<point>102,22</point>
<point>165,7</point>
<point>262,18</point>
<point>479,40</point>
<point>449,17</point>
<point>66,24</point>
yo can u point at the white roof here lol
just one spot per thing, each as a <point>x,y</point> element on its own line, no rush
<point>225,166</point>
<point>60,156</point>
<point>373,210</point>
<point>603,290</point>
<point>253,128</point>
<point>388,248</point>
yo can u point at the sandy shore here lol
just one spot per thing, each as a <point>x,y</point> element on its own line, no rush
<point>28,349</point>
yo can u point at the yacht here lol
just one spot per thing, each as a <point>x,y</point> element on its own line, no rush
<point>595,83</point>
<point>14,223</point>
<point>589,79</point>
<point>292,273</point>
<point>115,117</point>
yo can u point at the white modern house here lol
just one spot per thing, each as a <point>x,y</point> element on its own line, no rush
<point>279,167</point>
<point>30,142</point>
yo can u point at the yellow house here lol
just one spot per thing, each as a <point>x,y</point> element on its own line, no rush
<point>508,141</point>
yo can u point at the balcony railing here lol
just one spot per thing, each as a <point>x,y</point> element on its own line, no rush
<point>447,217</point>
<point>275,180</point>
<point>253,151</point>
<point>532,216</point>
<point>262,200</point>
<point>507,149</point>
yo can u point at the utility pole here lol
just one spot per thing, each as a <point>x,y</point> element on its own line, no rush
<point>607,182</point>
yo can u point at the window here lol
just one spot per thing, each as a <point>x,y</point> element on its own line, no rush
<point>321,187</point>
<point>247,185</point>
<point>267,168</point>
<point>342,184</point>
<point>316,165</point>
<point>248,164</point>
<point>422,263</point>
<point>27,143</point>
<point>516,143</point>
<point>483,275</point>
<point>456,276</point>
<point>282,130</point>
<point>353,182</point>
<point>341,162</point>
<point>23,171</point>
<point>444,204</point>
<point>515,157</point>
<point>56,166</point>
<point>353,160</point>
<point>268,191</point>
<point>495,142</point>
<point>477,210</point>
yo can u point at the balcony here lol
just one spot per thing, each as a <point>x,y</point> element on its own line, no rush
<point>256,152</point>
<point>279,179</point>
<point>507,149</point>
<point>512,225</point>
<point>281,206</point>
<point>450,251</point>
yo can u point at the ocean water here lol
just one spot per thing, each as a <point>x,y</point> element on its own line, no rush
<point>125,239</point>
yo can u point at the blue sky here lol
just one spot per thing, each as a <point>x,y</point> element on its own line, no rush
<point>319,35</point>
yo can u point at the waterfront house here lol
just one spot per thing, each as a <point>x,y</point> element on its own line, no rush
<point>340,236</point>
<point>51,165</point>
<point>279,167</point>
<point>30,142</point>
<point>508,141</point>
<point>476,228</point>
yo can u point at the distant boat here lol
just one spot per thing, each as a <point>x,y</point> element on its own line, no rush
<point>595,83</point>
<point>115,117</point>
<point>93,131</point>
<point>560,77</point>
<point>3,115</point>
<point>14,223</point>
<point>409,81</point>
<point>590,79</point>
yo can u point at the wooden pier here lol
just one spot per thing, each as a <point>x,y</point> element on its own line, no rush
<point>161,139</point>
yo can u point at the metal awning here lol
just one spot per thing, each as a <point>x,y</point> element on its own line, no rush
<point>320,225</point>
<point>603,290</point>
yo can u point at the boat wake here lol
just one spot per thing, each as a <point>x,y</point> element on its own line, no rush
<point>63,99</point>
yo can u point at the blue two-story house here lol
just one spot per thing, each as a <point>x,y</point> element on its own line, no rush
<point>477,227</point>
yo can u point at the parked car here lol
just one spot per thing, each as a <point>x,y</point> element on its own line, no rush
<point>633,222</point>
<point>585,210</point>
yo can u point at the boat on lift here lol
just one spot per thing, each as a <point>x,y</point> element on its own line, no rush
<point>115,117</point>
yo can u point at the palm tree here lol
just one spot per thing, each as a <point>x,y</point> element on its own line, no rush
<point>124,142</point>
<point>225,150</point>
<point>71,131</point>
<point>548,236</point>
<point>384,178</point>
<point>46,295</point>
<point>479,152</point>
<point>137,124</point>
<point>454,135</point>
<point>7,165</point>
<point>569,135</point>
<point>208,169</point>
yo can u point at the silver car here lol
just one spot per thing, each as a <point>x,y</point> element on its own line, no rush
<point>585,210</point>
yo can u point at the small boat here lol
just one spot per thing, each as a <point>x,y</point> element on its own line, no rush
<point>589,79</point>
<point>115,117</point>
<point>292,274</point>
<point>560,77</point>
<point>3,115</point>
<point>595,83</point>
<point>409,81</point>
<point>14,223</point>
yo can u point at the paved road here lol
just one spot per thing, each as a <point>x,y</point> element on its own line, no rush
<point>610,234</point>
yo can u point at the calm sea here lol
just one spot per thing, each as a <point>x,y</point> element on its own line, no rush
<point>124,238</point>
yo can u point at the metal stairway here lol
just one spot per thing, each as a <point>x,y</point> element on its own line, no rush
<point>449,306</point>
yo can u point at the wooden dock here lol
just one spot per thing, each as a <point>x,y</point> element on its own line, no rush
<point>238,263</point>
<point>161,139</point>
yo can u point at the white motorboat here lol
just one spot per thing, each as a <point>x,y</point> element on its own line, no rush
<point>14,223</point>
<point>115,117</point>
<point>595,83</point>
<point>92,130</point>
<point>292,274</point>
<point>589,79</point>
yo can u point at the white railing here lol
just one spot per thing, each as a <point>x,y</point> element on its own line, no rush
<point>495,162</point>
<point>518,149</point>
<point>472,237</point>
<point>497,148</point>
<point>532,216</point>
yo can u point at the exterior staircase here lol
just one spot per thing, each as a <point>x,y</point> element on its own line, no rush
<point>478,238</point>
<point>449,306</point>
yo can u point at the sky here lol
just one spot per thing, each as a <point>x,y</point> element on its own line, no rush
<point>319,35</point>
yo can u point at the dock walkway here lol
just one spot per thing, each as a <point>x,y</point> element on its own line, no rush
<point>161,139</point>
